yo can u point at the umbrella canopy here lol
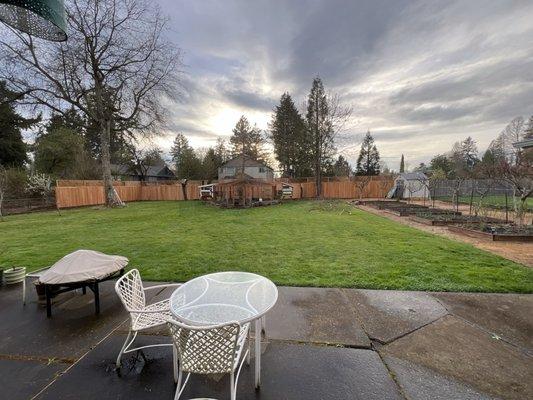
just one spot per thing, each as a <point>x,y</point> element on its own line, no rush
<point>83,265</point>
<point>41,18</point>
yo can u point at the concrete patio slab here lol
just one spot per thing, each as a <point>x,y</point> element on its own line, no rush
<point>316,315</point>
<point>420,383</point>
<point>388,314</point>
<point>456,349</point>
<point>71,331</point>
<point>509,316</point>
<point>289,372</point>
<point>22,379</point>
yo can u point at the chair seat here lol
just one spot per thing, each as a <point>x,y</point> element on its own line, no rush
<point>152,319</point>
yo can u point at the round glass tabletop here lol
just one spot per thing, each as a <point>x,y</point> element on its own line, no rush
<point>223,297</point>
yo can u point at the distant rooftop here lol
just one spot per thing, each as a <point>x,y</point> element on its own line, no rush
<point>524,144</point>
<point>248,162</point>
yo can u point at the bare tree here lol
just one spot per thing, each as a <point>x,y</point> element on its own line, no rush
<point>457,185</point>
<point>361,182</point>
<point>385,183</point>
<point>116,68</point>
<point>3,188</point>
<point>325,119</point>
<point>512,133</point>
<point>520,176</point>
<point>431,183</point>
<point>413,186</point>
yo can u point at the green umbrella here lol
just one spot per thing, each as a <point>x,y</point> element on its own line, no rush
<point>41,18</point>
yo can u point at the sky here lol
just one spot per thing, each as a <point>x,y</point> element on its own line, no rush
<point>420,75</point>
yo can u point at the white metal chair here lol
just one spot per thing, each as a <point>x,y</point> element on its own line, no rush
<point>215,349</point>
<point>131,292</point>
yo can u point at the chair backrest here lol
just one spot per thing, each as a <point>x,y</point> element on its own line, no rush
<point>130,290</point>
<point>206,350</point>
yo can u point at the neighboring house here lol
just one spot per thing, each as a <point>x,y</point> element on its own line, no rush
<point>410,185</point>
<point>253,169</point>
<point>152,173</point>
<point>524,144</point>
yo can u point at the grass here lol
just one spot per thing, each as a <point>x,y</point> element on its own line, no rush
<point>491,201</point>
<point>298,243</point>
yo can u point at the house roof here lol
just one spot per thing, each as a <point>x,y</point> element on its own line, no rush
<point>524,144</point>
<point>248,162</point>
<point>152,170</point>
<point>159,170</point>
<point>245,181</point>
<point>413,176</point>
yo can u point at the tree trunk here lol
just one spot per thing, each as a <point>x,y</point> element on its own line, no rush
<point>1,202</point>
<point>105,139</point>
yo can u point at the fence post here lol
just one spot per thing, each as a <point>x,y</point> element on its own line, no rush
<point>471,199</point>
<point>506,209</point>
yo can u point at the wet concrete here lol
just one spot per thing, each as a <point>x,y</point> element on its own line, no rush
<point>289,371</point>
<point>456,349</point>
<point>509,316</point>
<point>420,383</point>
<point>70,332</point>
<point>388,314</point>
<point>439,346</point>
<point>317,315</point>
<point>22,379</point>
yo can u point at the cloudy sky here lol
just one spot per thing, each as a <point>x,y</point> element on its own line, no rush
<point>419,75</point>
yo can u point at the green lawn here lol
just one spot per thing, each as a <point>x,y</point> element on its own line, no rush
<point>491,201</point>
<point>299,243</point>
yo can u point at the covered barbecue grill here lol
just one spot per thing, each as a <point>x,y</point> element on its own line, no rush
<point>81,269</point>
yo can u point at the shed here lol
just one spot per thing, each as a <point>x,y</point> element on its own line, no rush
<point>409,185</point>
<point>207,192</point>
<point>244,191</point>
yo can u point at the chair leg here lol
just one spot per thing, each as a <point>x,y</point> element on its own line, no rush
<point>233,388</point>
<point>126,344</point>
<point>178,385</point>
<point>175,363</point>
<point>249,347</point>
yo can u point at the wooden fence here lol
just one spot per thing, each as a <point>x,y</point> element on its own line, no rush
<point>86,193</point>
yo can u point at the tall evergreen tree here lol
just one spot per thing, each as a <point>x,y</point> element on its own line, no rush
<point>210,164</point>
<point>287,131</point>
<point>442,162</point>
<point>341,167</point>
<point>12,147</point>
<point>59,150</point>
<point>464,156</point>
<point>221,152</point>
<point>188,164</point>
<point>402,165</point>
<point>178,146</point>
<point>368,160</point>
<point>320,131</point>
<point>247,141</point>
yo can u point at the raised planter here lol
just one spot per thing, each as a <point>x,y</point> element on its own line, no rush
<point>403,212</point>
<point>14,275</point>
<point>449,218</point>
<point>478,234</point>
<point>432,222</point>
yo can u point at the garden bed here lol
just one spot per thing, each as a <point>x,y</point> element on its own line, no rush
<point>445,217</point>
<point>496,232</point>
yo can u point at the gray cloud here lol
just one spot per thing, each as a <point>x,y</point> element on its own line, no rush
<point>409,68</point>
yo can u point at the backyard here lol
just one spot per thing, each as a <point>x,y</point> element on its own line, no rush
<point>304,243</point>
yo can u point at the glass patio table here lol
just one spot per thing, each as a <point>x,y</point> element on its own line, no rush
<point>225,297</point>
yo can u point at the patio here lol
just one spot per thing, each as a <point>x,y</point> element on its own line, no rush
<point>321,344</point>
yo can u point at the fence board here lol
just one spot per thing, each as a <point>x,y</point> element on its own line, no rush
<point>85,193</point>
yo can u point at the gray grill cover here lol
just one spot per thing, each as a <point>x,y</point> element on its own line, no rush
<point>83,265</point>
